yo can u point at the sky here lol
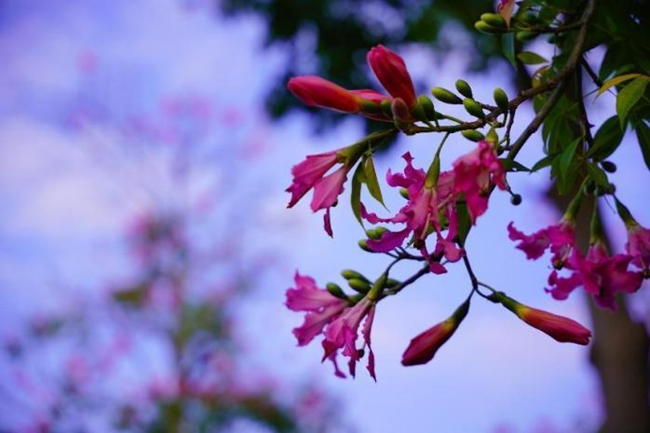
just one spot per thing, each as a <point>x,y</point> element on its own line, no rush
<point>63,211</point>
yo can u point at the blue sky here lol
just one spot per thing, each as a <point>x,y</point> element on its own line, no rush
<point>59,209</point>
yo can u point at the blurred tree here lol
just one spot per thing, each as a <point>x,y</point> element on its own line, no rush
<point>159,351</point>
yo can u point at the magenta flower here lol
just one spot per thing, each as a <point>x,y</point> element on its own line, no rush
<point>311,173</point>
<point>559,238</point>
<point>321,307</point>
<point>638,246</point>
<point>601,275</point>
<point>474,176</point>
<point>391,72</point>
<point>421,214</point>
<point>342,333</point>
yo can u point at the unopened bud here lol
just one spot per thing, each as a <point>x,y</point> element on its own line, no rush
<point>464,88</point>
<point>336,290</point>
<point>472,135</point>
<point>358,285</point>
<point>492,136</point>
<point>608,166</point>
<point>484,27</point>
<point>494,20</point>
<point>363,244</point>
<point>391,282</point>
<point>515,199</point>
<point>473,108</point>
<point>446,96</point>
<point>404,193</point>
<point>349,274</point>
<point>400,111</point>
<point>424,109</point>
<point>526,35</point>
<point>501,99</point>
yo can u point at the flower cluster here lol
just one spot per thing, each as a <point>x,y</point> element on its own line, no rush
<point>432,203</point>
<point>337,319</point>
<point>601,274</point>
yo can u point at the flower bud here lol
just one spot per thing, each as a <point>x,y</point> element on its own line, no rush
<point>424,109</point>
<point>404,193</point>
<point>472,135</point>
<point>363,244</point>
<point>484,27</point>
<point>318,92</point>
<point>525,35</point>
<point>501,99</point>
<point>423,348</point>
<point>336,290</point>
<point>400,111</point>
<point>494,20</point>
<point>608,166</point>
<point>473,108</point>
<point>464,88</point>
<point>359,285</point>
<point>559,328</point>
<point>445,96</point>
<point>349,274</point>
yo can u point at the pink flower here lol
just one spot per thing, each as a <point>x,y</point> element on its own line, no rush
<point>342,333</point>
<point>420,214</point>
<point>601,275</point>
<point>392,74</point>
<point>321,307</point>
<point>318,92</point>
<point>559,328</point>
<point>559,238</point>
<point>474,176</point>
<point>423,348</point>
<point>638,246</point>
<point>307,173</point>
<point>311,174</point>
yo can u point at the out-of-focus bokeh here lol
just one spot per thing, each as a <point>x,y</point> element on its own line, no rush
<point>145,246</point>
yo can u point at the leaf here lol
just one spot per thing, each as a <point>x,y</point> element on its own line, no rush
<point>629,96</point>
<point>510,165</point>
<point>508,48</point>
<point>464,223</point>
<point>355,193</point>
<point>544,162</point>
<point>607,139</point>
<point>614,81</point>
<point>598,175</point>
<point>530,58</point>
<point>643,135</point>
<point>567,157</point>
<point>370,176</point>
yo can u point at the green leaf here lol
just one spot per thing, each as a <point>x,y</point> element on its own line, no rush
<point>614,81</point>
<point>598,175</point>
<point>464,223</point>
<point>370,176</point>
<point>607,139</point>
<point>643,135</point>
<point>629,96</point>
<point>530,58</point>
<point>508,47</point>
<point>567,157</point>
<point>514,166</point>
<point>544,162</point>
<point>355,193</point>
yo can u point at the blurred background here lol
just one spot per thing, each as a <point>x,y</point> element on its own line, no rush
<point>145,244</point>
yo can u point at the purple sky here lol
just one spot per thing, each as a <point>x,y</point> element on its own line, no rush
<point>58,207</point>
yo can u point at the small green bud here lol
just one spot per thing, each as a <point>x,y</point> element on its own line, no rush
<point>404,193</point>
<point>473,108</point>
<point>336,290</point>
<point>464,88</point>
<point>349,274</point>
<point>445,96</point>
<point>525,35</point>
<point>363,244</point>
<point>501,99</point>
<point>358,285</point>
<point>529,18</point>
<point>484,27</point>
<point>492,136</point>
<point>515,199</point>
<point>424,110</point>
<point>372,234</point>
<point>608,166</point>
<point>472,135</point>
<point>494,20</point>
